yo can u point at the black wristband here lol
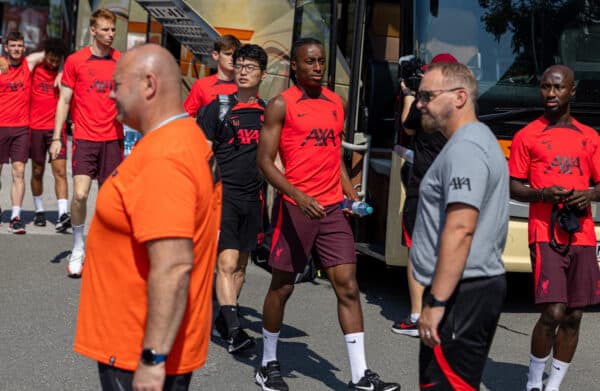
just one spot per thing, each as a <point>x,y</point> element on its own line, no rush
<point>431,301</point>
<point>541,194</point>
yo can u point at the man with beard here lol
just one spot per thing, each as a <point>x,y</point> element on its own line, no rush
<point>15,92</point>
<point>558,156</point>
<point>97,136</point>
<point>459,234</point>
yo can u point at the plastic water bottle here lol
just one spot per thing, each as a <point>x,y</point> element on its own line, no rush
<point>130,137</point>
<point>360,208</point>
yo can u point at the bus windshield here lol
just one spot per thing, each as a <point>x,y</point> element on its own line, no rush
<point>508,45</point>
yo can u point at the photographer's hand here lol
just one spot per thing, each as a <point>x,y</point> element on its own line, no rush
<point>406,92</point>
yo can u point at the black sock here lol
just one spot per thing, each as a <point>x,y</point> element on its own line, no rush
<point>230,314</point>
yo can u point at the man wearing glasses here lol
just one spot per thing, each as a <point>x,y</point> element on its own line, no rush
<point>232,124</point>
<point>459,234</point>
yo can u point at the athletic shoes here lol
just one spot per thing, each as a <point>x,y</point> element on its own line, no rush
<point>16,226</point>
<point>371,382</point>
<point>269,377</point>
<point>63,223</point>
<point>39,219</point>
<point>239,340</point>
<point>75,265</point>
<point>406,327</point>
<point>220,329</point>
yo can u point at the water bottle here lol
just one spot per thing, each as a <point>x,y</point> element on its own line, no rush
<point>360,208</point>
<point>130,137</point>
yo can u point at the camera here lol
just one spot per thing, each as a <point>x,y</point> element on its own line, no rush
<point>410,71</point>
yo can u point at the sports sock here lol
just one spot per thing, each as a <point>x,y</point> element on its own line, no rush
<point>39,205</point>
<point>78,243</point>
<point>558,370</point>
<point>355,343</point>
<point>230,314</point>
<point>16,212</point>
<point>414,317</point>
<point>536,371</point>
<point>62,206</point>
<point>269,346</point>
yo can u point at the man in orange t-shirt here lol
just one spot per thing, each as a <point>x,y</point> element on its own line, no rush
<point>206,89</point>
<point>559,158</point>
<point>146,297</point>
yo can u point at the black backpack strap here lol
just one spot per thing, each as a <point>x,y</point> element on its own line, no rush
<point>226,104</point>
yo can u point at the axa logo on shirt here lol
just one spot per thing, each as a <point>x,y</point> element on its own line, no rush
<point>13,86</point>
<point>565,165</point>
<point>246,137</point>
<point>45,88</point>
<point>101,86</point>
<point>320,137</point>
<point>457,183</point>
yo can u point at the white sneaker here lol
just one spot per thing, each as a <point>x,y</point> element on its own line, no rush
<point>75,265</point>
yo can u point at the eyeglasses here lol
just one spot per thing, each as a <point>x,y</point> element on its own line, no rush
<point>426,96</point>
<point>247,67</point>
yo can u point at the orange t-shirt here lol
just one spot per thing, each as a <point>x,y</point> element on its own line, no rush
<point>310,145</point>
<point>205,90</point>
<point>548,155</point>
<point>169,187</point>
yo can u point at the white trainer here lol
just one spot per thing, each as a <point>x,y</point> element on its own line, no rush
<point>75,265</point>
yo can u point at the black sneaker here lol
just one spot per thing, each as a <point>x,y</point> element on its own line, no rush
<point>63,223</point>
<point>39,219</point>
<point>371,382</point>
<point>269,377</point>
<point>239,340</point>
<point>220,329</point>
<point>406,327</point>
<point>16,226</point>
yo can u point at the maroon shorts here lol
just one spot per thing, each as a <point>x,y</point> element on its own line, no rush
<point>96,159</point>
<point>573,278</point>
<point>14,144</point>
<point>40,143</point>
<point>295,235</point>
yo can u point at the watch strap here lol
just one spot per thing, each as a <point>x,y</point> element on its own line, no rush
<point>150,357</point>
<point>431,301</point>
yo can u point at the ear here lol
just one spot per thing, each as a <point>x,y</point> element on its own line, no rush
<point>293,65</point>
<point>263,74</point>
<point>462,98</point>
<point>215,55</point>
<point>573,90</point>
<point>151,86</point>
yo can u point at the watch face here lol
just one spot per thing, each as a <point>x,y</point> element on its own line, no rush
<point>148,356</point>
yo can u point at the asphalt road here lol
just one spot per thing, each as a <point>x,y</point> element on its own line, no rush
<point>38,305</point>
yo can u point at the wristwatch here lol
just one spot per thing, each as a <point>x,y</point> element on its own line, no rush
<point>150,357</point>
<point>431,301</point>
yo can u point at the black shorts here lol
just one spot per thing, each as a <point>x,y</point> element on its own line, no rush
<point>115,379</point>
<point>409,215</point>
<point>241,223</point>
<point>466,334</point>
<point>96,159</point>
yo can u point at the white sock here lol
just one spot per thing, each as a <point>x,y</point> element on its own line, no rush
<point>558,370</point>
<point>16,212</point>
<point>78,243</point>
<point>414,317</point>
<point>62,207</point>
<point>269,346</point>
<point>39,205</point>
<point>536,371</point>
<point>355,343</point>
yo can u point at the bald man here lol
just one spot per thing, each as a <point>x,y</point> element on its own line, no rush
<point>558,157</point>
<point>146,295</point>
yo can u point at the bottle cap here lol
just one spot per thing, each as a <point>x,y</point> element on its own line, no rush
<point>369,210</point>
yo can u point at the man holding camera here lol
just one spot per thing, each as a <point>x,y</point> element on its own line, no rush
<point>558,156</point>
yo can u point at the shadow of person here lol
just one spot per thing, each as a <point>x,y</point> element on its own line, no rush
<point>60,256</point>
<point>501,376</point>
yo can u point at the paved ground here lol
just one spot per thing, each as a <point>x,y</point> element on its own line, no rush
<point>38,305</point>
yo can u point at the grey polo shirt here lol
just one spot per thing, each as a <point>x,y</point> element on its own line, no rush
<point>471,169</point>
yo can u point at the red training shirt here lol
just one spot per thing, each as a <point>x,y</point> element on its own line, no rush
<point>15,90</point>
<point>310,146</point>
<point>205,90</point>
<point>548,155</point>
<point>93,112</point>
<point>44,97</point>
